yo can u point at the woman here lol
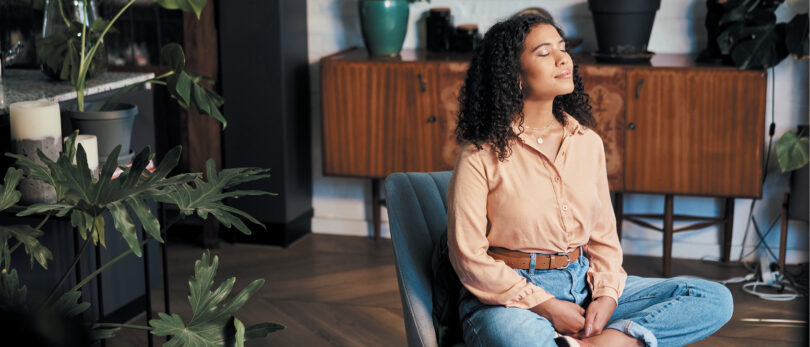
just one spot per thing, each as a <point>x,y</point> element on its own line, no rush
<point>531,229</point>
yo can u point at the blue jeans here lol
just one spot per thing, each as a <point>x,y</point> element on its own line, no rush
<point>660,311</point>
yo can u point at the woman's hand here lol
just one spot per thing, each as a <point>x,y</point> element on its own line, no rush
<point>566,317</point>
<point>597,316</point>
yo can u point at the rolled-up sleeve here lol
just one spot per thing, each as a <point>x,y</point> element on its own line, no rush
<point>493,282</point>
<point>606,275</point>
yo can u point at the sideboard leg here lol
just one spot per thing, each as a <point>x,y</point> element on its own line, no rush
<point>375,207</point>
<point>729,219</point>
<point>668,230</point>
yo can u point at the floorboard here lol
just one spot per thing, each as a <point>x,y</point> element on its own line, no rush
<point>342,291</point>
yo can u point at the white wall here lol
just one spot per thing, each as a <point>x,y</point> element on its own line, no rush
<point>342,206</point>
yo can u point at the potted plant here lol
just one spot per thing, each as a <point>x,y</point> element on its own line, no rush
<point>623,28</point>
<point>86,200</point>
<point>384,24</point>
<point>751,36</point>
<point>110,121</point>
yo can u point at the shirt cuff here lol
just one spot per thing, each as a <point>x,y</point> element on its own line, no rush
<point>606,291</point>
<point>535,296</point>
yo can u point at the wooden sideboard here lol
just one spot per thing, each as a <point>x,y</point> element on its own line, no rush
<point>670,126</point>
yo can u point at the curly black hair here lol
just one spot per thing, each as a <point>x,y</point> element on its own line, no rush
<point>491,99</point>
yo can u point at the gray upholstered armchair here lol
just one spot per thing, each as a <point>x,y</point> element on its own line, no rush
<point>417,215</point>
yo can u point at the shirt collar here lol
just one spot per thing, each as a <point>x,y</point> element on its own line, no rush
<point>572,127</point>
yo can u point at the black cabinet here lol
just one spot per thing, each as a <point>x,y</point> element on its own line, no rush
<point>265,81</point>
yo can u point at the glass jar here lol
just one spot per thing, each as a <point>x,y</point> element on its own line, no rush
<point>61,39</point>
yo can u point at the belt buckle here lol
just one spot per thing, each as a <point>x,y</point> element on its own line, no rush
<point>566,256</point>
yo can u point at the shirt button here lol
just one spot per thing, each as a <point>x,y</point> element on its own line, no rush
<point>565,207</point>
<point>557,179</point>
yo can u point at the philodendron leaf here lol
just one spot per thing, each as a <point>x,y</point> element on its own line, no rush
<point>796,36</point>
<point>764,48</point>
<point>173,55</point>
<point>205,197</point>
<point>69,304</point>
<point>791,151</point>
<point>29,238</point>
<point>12,294</point>
<point>261,330</point>
<point>211,311</point>
<point>194,6</point>
<point>124,225</point>
<point>10,194</point>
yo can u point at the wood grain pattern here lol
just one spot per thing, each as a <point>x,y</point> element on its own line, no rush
<point>606,86</point>
<point>201,138</point>
<point>699,128</point>
<point>379,118</point>
<point>342,291</point>
<point>451,79</point>
<point>697,132</point>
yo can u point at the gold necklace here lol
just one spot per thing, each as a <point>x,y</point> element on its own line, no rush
<point>539,138</point>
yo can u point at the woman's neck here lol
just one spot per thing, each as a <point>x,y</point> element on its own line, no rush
<point>537,113</point>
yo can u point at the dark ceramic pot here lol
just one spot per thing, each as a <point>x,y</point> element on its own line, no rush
<point>112,127</point>
<point>623,27</point>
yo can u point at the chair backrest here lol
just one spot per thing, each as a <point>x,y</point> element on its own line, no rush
<point>417,215</point>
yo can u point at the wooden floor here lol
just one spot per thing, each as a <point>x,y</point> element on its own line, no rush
<point>342,291</point>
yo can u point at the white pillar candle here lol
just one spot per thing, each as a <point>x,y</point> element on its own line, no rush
<point>35,120</point>
<point>90,145</point>
<point>36,126</point>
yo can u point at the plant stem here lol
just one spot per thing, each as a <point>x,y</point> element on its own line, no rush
<point>122,255</point>
<point>42,223</point>
<point>67,273</point>
<point>62,13</point>
<point>113,100</point>
<point>85,65</point>
<point>117,325</point>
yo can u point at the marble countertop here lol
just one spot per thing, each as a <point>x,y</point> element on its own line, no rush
<point>27,85</point>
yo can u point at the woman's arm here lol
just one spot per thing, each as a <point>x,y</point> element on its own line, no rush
<point>493,282</point>
<point>605,275</point>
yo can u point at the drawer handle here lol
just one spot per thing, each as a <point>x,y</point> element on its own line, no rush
<point>422,87</point>
<point>631,126</point>
<point>431,119</point>
<point>639,84</point>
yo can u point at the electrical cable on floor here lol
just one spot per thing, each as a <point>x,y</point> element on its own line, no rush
<point>784,283</point>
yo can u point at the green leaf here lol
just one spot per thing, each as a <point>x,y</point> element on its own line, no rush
<point>69,304</point>
<point>10,194</point>
<point>796,36</point>
<point>173,55</point>
<point>148,220</point>
<point>12,294</point>
<point>180,88</point>
<point>261,330</point>
<point>28,236</point>
<point>194,6</point>
<point>205,197</point>
<point>764,48</point>
<point>103,333</point>
<point>123,223</point>
<point>239,338</point>
<point>736,10</point>
<point>791,151</point>
<point>211,312</point>
<point>61,209</point>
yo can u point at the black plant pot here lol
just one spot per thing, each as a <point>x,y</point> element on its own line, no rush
<point>112,127</point>
<point>623,28</point>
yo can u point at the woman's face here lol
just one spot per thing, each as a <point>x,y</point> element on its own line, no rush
<point>547,69</point>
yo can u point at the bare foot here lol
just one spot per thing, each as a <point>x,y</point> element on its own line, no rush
<point>611,337</point>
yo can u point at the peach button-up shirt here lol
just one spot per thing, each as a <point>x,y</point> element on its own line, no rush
<point>528,203</point>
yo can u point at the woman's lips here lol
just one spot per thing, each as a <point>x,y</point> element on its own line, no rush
<point>564,74</point>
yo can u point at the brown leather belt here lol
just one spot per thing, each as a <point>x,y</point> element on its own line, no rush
<point>522,260</point>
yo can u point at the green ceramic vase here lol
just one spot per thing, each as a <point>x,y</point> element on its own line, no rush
<point>384,24</point>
